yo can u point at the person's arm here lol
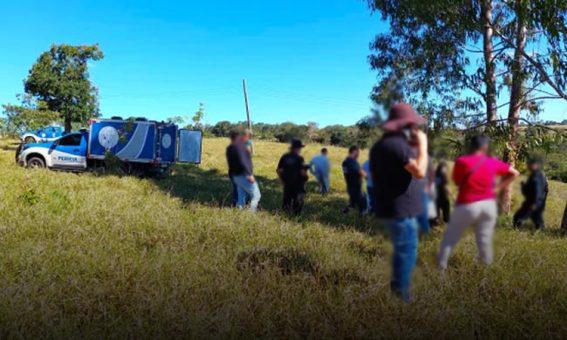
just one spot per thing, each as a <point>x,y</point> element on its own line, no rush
<point>540,183</point>
<point>418,167</point>
<point>508,179</point>
<point>279,169</point>
<point>246,162</point>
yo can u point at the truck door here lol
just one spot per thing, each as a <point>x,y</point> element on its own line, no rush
<point>69,152</point>
<point>189,146</point>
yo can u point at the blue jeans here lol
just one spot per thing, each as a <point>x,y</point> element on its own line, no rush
<point>247,189</point>
<point>324,182</point>
<point>423,218</point>
<point>370,196</point>
<point>404,236</point>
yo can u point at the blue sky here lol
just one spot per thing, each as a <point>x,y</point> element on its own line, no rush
<point>303,60</point>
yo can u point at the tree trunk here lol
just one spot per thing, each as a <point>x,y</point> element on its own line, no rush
<point>516,101</point>
<point>490,68</point>
<point>68,125</point>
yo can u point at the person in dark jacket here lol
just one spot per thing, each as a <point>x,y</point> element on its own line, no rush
<point>233,165</point>
<point>293,173</point>
<point>443,194</point>
<point>535,191</point>
<point>353,176</point>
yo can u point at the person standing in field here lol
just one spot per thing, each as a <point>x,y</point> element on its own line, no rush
<point>475,175</point>
<point>353,177</point>
<point>427,199</point>
<point>293,173</point>
<point>249,143</point>
<point>443,193</point>
<point>535,191</point>
<point>398,161</point>
<point>243,176</point>
<point>233,164</point>
<point>320,167</point>
<point>369,186</point>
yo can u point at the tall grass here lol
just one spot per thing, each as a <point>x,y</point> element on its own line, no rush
<point>115,257</point>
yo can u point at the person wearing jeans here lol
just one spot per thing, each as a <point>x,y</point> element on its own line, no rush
<point>404,234</point>
<point>320,168</point>
<point>398,161</point>
<point>475,175</point>
<point>247,187</point>
<point>243,176</point>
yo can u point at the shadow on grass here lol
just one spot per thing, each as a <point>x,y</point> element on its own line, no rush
<point>210,187</point>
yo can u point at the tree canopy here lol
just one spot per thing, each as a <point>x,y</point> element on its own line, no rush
<point>60,79</point>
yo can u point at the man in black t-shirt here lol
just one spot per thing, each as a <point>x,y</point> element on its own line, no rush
<point>293,173</point>
<point>233,165</point>
<point>353,177</point>
<point>398,161</point>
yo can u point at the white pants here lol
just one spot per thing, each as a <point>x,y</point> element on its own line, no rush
<point>482,216</point>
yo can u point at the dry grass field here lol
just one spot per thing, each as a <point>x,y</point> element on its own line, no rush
<point>86,256</point>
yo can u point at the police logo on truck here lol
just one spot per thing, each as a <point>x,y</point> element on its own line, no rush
<point>108,137</point>
<point>166,141</point>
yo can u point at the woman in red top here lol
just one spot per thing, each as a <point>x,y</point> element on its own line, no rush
<point>475,175</point>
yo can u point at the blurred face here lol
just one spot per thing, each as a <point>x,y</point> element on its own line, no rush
<point>245,137</point>
<point>534,167</point>
<point>355,154</point>
<point>484,149</point>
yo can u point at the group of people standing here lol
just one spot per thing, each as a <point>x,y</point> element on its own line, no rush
<point>401,185</point>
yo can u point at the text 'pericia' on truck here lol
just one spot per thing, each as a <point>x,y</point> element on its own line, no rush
<point>139,146</point>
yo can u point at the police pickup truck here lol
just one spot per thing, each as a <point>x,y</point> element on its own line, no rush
<point>141,145</point>
<point>44,134</point>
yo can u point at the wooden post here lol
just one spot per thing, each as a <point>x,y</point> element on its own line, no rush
<point>247,112</point>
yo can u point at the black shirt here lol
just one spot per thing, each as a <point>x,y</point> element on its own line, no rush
<point>232,160</point>
<point>291,168</point>
<point>535,190</point>
<point>351,170</point>
<point>239,160</point>
<point>397,194</point>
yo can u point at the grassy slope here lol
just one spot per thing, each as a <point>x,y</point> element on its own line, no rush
<point>108,256</point>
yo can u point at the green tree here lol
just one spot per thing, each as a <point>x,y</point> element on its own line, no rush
<point>451,57</point>
<point>60,79</point>
<point>198,117</point>
<point>29,115</point>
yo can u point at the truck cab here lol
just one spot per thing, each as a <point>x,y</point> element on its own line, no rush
<point>68,152</point>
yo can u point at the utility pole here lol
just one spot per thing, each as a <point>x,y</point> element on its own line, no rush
<point>247,112</point>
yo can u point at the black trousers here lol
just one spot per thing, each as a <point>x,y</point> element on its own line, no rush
<point>526,212</point>
<point>443,208</point>
<point>357,199</point>
<point>293,199</point>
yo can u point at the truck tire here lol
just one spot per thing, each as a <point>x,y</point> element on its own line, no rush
<point>36,162</point>
<point>29,140</point>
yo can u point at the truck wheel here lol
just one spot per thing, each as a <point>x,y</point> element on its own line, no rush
<point>36,163</point>
<point>29,140</point>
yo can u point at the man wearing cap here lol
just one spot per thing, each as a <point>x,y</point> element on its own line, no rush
<point>398,161</point>
<point>293,173</point>
<point>535,191</point>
